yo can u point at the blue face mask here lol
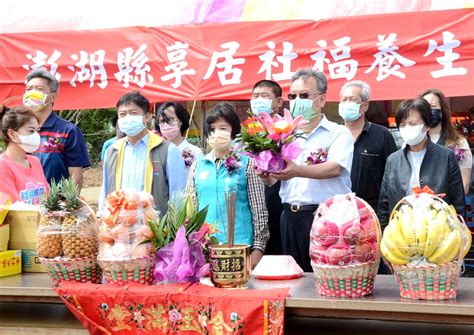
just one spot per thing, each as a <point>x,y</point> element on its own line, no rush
<point>303,107</point>
<point>349,111</point>
<point>131,124</point>
<point>261,105</point>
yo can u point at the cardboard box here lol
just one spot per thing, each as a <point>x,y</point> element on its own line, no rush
<point>4,236</point>
<point>29,256</point>
<point>23,224</point>
<point>30,261</point>
<point>10,262</point>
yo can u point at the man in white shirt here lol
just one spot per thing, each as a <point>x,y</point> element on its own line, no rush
<point>305,185</point>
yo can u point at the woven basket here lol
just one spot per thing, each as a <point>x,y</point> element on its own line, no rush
<point>130,271</point>
<point>437,282</point>
<point>81,270</point>
<point>349,281</point>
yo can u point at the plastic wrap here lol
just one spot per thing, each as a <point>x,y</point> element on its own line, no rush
<point>345,232</point>
<point>424,231</point>
<point>124,226</point>
<point>68,234</point>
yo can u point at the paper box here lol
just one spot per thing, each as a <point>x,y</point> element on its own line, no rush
<point>10,262</point>
<point>30,261</point>
<point>4,236</point>
<point>23,223</point>
<point>29,256</point>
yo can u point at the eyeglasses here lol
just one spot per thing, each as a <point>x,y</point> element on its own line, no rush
<point>304,95</point>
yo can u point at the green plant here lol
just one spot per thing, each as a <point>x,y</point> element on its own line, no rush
<point>181,212</point>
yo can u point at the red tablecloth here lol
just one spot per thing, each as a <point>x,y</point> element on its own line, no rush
<point>175,309</point>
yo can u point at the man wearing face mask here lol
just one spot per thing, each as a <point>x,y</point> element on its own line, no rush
<point>63,151</point>
<point>142,161</point>
<point>266,98</point>
<point>372,143</point>
<point>304,186</point>
<point>420,163</point>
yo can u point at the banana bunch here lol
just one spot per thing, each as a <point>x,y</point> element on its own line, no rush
<point>428,233</point>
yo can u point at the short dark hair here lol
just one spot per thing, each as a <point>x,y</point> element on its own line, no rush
<point>418,104</point>
<point>276,88</point>
<point>181,113</point>
<point>223,110</point>
<point>14,118</point>
<point>137,98</point>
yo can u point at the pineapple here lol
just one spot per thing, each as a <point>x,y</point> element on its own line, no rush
<point>70,193</point>
<point>49,242</point>
<point>79,238</point>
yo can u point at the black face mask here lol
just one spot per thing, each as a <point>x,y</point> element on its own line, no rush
<point>435,117</point>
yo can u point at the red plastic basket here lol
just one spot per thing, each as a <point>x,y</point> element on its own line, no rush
<point>349,281</point>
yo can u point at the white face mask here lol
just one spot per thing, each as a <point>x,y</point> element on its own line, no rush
<point>29,143</point>
<point>349,111</point>
<point>261,105</point>
<point>413,135</point>
<point>131,124</point>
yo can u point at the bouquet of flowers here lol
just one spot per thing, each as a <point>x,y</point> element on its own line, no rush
<point>181,239</point>
<point>271,140</point>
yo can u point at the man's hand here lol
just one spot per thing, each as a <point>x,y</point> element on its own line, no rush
<point>255,257</point>
<point>266,178</point>
<point>290,171</point>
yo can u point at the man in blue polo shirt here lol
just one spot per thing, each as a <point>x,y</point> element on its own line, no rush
<point>62,151</point>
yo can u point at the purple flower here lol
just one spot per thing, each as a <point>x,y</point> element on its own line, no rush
<point>459,153</point>
<point>188,157</point>
<point>232,162</point>
<point>174,315</point>
<point>317,157</point>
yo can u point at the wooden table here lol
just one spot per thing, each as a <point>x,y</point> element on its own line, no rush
<point>304,302</point>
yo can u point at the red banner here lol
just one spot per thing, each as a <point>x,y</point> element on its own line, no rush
<point>175,309</point>
<point>398,54</point>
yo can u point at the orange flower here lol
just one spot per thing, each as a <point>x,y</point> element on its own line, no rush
<point>254,128</point>
<point>248,121</point>
<point>281,127</point>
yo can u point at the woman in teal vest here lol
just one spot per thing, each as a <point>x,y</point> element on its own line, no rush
<point>224,169</point>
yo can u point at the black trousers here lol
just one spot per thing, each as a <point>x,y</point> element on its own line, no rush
<point>295,228</point>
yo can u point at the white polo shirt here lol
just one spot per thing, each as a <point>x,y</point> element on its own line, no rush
<point>337,141</point>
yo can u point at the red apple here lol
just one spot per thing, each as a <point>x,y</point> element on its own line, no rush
<point>353,233</point>
<point>324,233</point>
<point>338,255</point>
<point>364,252</point>
<point>364,211</point>
<point>317,254</point>
<point>369,226</point>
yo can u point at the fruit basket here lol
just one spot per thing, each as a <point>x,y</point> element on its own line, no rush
<point>67,236</point>
<point>123,255</point>
<point>425,243</point>
<point>344,247</point>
